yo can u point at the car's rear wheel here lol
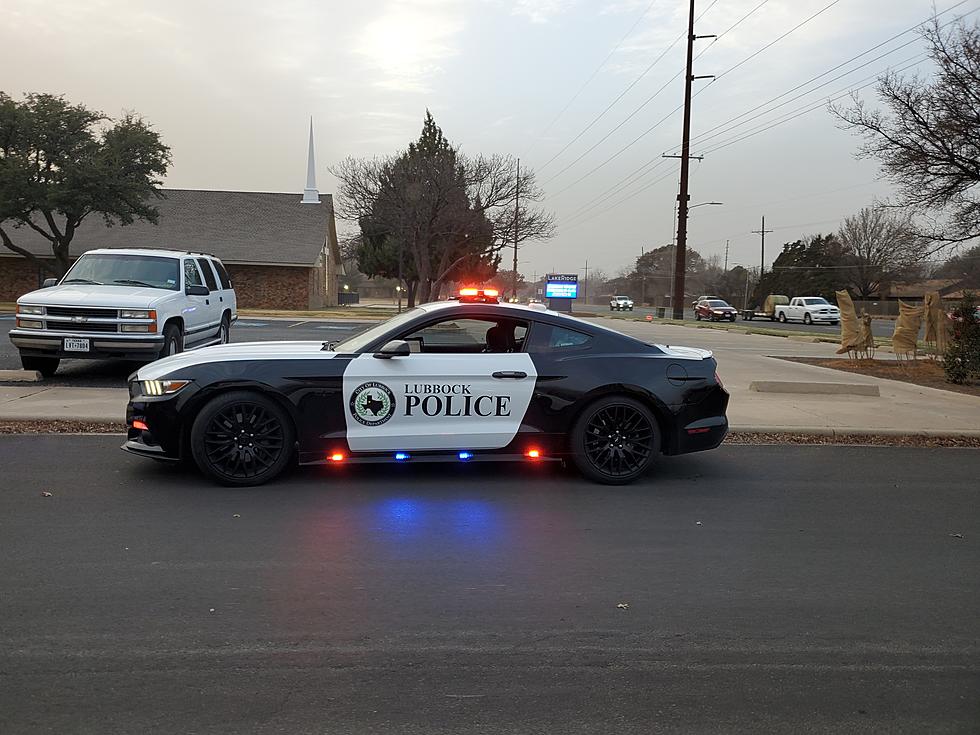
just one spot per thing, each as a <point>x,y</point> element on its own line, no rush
<point>807,319</point>
<point>782,317</point>
<point>47,366</point>
<point>615,440</point>
<point>242,438</point>
<point>224,331</point>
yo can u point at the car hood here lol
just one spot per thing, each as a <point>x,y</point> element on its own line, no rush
<point>113,297</point>
<point>229,353</point>
<point>685,353</point>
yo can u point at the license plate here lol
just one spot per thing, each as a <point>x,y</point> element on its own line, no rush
<point>75,344</point>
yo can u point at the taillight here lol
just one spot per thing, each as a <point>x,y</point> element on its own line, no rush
<point>718,380</point>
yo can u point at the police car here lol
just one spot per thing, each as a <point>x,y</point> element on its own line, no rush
<point>465,380</point>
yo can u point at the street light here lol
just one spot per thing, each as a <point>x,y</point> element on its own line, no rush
<point>705,204</point>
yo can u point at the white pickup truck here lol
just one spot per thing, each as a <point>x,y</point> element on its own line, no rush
<point>809,310</point>
<point>134,304</point>
<point>621,303</point>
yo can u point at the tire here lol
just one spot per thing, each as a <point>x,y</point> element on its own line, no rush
<point>224,331</point>
<point>634,454</point>
<point>697,317</point>
<point>47,366</point>
<point>226,451</point>
<point>732,319</point>
<point>782,317</point>
<point>173,341</point>
<point>807,319</point>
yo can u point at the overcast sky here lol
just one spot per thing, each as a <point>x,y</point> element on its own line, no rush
<point>231,86</point>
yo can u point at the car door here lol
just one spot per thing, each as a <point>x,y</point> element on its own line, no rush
<point>198,313</point>
<point>459,389</point>
<point>226,294</point>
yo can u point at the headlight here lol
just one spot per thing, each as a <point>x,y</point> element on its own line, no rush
<point>30,323</point>
<point>162,387</point>
<point>21,309</point>
<point>136,314</point>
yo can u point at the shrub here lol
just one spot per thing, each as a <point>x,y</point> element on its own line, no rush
<point>962,359</point>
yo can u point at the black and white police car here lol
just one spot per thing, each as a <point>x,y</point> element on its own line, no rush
<point>462,380</point>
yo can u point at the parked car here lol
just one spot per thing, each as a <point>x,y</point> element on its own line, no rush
<point>809,310</point>
<point>449,381</point>
<point>134,304</point>
<point>714,309</point>
<point>621,303</point>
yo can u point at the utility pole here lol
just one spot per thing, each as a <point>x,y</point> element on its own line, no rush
<point>726,256</point>
<point>517,213</point>
<point>585,286</point>
<point>762,232</point>
<point>680,257</point>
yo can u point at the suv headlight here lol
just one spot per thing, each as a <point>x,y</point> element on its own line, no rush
<point>23,309</point>
<point>137,314</point>
<point>161,387</point>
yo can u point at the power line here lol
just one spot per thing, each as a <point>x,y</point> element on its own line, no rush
<point>599,68</point>
<point>621,95</point>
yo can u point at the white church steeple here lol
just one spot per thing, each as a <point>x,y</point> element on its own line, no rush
<point>310,193</point>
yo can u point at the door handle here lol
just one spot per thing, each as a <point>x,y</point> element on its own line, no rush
<point>514,374</point>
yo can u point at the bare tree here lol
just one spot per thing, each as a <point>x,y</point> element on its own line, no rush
<point>431,214</point>
<point>927,137</point>
<point>879,246</point>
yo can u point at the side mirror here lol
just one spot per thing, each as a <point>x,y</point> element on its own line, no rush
<point>49,282</point>
<point>395,348</point>
<point>197,291</point>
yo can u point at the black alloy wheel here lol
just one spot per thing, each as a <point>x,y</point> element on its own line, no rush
<point>242,438</point>
<point>615,440</point>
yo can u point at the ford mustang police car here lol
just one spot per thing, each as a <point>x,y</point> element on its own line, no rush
<point>465,380</point>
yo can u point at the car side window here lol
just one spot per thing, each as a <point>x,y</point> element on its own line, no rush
<point>192,277</point>
<point>223,276</point>
<point>208,274</point>
<point>469,336</point>
<point>549,338</point>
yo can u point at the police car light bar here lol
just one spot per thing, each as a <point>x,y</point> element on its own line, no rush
<point>469,292</point>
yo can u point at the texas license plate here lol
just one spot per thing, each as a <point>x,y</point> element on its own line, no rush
<point>75,344</point>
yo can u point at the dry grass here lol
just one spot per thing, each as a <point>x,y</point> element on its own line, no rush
<point>925,372</point>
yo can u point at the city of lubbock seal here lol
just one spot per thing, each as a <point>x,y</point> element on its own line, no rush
<point>372,403</point>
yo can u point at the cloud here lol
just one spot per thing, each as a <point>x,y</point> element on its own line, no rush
<point>541,11</point>
<point>409,41</point>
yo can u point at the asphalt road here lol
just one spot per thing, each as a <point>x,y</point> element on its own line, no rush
<point>770,589</point>
<point>112,373</point>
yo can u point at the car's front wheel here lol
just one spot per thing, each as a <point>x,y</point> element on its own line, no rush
<point>615,440</point>
<point>47,366</point>
<point>173,340</point>
<point>242,438</point>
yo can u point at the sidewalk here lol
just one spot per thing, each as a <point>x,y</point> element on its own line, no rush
<point>742,359</point>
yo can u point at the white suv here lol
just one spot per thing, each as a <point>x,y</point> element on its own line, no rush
<point>133,304</point>
<point>621,303</point>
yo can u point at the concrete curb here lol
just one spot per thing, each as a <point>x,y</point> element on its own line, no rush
<point>830,431</point>
<point>20,376</point>
<point>822,389</point>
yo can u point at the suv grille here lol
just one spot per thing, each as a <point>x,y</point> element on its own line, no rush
<point>82,311</point>
<point>88,327</point>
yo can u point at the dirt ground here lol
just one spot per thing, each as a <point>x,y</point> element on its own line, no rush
<point>925,372</point>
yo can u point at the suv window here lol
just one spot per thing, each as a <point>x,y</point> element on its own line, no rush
<point>208,274</point>
<point>473,335</point>
<point>192,277</point>
<point>223,276</point>
<point>109,269</point>
<point>549,338</point>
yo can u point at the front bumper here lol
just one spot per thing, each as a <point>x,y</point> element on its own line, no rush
<point>162,439</point>
<point>43,343</point>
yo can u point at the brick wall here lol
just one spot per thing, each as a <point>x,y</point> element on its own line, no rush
<point>17,277</point>
<point>271,287</point>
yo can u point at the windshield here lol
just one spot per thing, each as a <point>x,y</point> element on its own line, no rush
<point>361,340</point>
<point>126,270</point>
<point>717,304</point>
<point>816,301</point>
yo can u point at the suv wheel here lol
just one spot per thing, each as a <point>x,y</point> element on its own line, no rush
<point>173,341</point>
<point>224,331</point>
<point>615,440</point>
<point>44,365</point>
<point>242,438</point>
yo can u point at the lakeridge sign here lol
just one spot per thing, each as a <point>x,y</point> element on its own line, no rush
<point>561,286</point>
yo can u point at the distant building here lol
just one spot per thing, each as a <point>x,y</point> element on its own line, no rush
<point>281,250</point>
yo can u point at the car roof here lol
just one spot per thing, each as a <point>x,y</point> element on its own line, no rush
<point>159,252</point>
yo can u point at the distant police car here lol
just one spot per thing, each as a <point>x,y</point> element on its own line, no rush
<point>461,380</point>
